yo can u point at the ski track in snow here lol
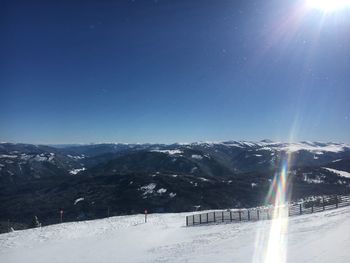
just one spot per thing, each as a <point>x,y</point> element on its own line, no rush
<point>320,237</point>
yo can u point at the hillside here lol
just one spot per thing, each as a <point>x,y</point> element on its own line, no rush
<point>321,237</point>
<point>119,179</point>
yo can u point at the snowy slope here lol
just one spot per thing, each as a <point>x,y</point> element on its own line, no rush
<point>321,237</point>
<point>340,173</point>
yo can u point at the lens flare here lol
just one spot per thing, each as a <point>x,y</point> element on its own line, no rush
<point>271,247</point>
<point>277,242</point>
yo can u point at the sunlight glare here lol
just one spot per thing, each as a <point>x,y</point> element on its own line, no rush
<point>271,246</point>
<point>276,249</point>
<point>328,5</point>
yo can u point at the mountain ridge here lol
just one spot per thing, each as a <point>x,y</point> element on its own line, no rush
<point>127,178</point>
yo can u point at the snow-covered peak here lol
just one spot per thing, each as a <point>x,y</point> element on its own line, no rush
<point>316,147</point>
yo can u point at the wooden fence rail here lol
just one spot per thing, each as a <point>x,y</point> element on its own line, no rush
<point>265,213</point>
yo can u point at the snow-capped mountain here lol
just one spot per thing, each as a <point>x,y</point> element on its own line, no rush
<point>127,178</point>
<point>25,161</point>
<point>20,162</point>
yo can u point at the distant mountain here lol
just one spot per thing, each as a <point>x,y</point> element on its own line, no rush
<point>26,161</point>
<point>23,162</point>
<point>127,178</point>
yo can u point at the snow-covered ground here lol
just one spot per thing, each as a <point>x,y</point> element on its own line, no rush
<point>320,237</point>
<point>340,173</point>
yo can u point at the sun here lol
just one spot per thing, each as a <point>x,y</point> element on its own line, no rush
<point>328,5</point>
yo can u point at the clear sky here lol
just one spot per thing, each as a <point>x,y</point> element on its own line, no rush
<point>173,71</point>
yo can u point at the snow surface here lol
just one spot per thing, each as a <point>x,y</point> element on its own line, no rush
<point>197,156</point>
<point>7,156</point>
<point>77,157</point>
<point>315,147</point>
<point>76,171</point>
<point>170,152</point>
<point>313,179</point>
<point>321,237</point>
<point>40,158</point>
<point>79,200</point>
<point>336,160</point>
<point>148,189</point>
<point>312,147</point>
<point>172,195</point>
<point>161,191</point>
<point>338,172</point>
<point>203,179</point>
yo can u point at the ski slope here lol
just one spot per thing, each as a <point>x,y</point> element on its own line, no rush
<point>321,237</point>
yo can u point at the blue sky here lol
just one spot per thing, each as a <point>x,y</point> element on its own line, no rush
<point>173,71</point>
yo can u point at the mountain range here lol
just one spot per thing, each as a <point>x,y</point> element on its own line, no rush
<point>97,180</point>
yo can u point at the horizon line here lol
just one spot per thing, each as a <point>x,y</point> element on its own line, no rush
<point>174,143</point>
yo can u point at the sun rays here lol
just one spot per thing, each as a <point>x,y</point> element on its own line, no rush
<point>328,5</point>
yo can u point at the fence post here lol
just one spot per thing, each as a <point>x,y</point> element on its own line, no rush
<point>186,220</point>
<point>222,216</point>
<point>231,216</point>
<point>208,217</point>
<point>240,216</point>
<point>214,217</point>
<point>193,220</point>
<point>248,215</point>
<point>312,208</point>
<point>323,204</point>
<point>61,215</point>
<point>257,214</point>
<point>336,201</point>
<point>301,209</point>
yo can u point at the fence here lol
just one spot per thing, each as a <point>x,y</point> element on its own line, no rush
<point>264,213</point>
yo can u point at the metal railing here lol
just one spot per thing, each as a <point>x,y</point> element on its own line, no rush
<point>265,213</point>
